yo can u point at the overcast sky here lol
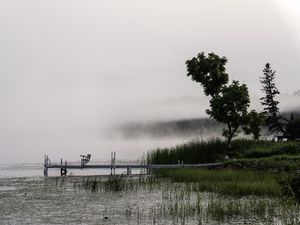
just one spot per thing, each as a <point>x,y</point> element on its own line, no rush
<point>70,68</point>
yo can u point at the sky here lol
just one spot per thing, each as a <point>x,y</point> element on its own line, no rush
<point>70,68</point>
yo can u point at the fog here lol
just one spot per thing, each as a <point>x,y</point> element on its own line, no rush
<point>71,70</point>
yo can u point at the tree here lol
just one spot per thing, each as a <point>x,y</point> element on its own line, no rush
<point>229,103</point>
<point>230,108</point>
<point>253,123</point>
<point>293,128</point>
<point>273,120</point>
<point>210,71</point>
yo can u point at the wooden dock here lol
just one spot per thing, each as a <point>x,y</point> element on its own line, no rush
<point>63,166</point>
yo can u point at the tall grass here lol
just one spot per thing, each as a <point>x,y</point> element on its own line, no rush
<point>213,150</point>
<point>233,182</point>
<point>185,203</point>
<point>117,183</point>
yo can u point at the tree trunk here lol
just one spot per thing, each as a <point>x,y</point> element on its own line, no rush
<point>228,146</point>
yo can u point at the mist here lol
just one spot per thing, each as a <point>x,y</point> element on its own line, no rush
<point>71,70</point>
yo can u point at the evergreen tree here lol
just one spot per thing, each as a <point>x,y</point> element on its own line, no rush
<point>273,120</point>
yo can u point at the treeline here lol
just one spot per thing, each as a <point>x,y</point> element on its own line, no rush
<point>204,127</point>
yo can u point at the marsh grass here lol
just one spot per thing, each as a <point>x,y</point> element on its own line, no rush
<point>213,150</point>
<point>117,183</point>
<point>185,205</point>
<point>226,181</point>
<point>188,202</point>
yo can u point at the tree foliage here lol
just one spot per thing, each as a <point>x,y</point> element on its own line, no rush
<point>210,71</point>
<point>229,103</point>
<point>230,107</point>
<point>253,122</point>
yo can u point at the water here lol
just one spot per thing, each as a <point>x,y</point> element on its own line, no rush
<point>21,170</point>
<point>70,200</point>
<point>39,201</point>
<point>27,198</point>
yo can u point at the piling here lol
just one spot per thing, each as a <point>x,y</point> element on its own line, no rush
<point>46,159</point>
<point>114,163</point>
<point>128,169</point>
<point>63,169</point>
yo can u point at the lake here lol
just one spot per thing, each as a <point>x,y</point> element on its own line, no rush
<point>26,197</point>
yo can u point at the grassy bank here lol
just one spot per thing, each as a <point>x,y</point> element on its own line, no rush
<point>262,168</point>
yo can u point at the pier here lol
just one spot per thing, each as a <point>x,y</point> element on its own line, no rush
<point>64,166</point>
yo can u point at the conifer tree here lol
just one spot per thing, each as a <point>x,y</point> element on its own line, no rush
<point>273,120</point>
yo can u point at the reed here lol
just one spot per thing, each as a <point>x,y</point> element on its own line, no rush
<point>117,183</point>
<point>187,203</point>
<point>213,150</point>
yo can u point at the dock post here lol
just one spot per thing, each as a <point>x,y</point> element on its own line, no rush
<point>114,163</point>
<point>66,168</point>
<point>111,163</point>
<point>46,166</point>
<point>63,169</point>
<point>148,169</point>
<point>129,169</point>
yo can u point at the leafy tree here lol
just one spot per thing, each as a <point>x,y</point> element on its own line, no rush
<point>253,123</point>
<point>273,120</point>
<point>230,107</point>
<point>210,71</point>
<point>229,103</point>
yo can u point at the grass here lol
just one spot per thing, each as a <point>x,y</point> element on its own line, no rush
<point>213,151</point>
<point>257,167</point>
<point>187,202</point>
<point>226,181</point>
<point>193,152</point>
<point>116,183</point>
<point>262,168</point>
<point>277,163</point>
